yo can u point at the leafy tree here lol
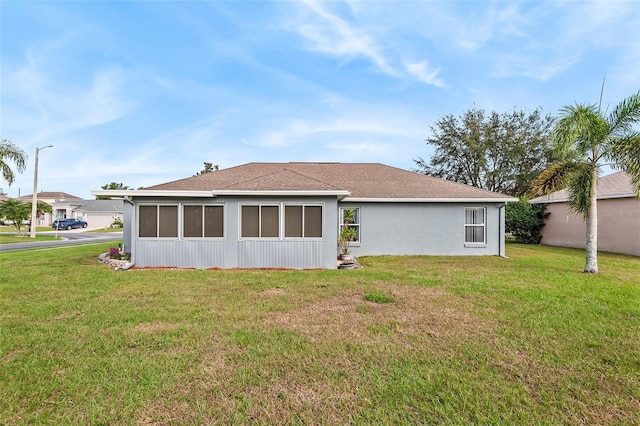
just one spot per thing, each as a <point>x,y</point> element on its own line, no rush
<point>112,186</point>
<point>524,221</point>
<point>208,168</point>
<point>9,152</point>
<point>588,138</point>
<point>498,152</point>
<point>42,208</point>
<point>15,210</point>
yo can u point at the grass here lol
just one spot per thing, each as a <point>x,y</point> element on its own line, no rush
<point>11,238</point>
<point>528,339</point>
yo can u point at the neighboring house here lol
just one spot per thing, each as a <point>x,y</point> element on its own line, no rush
<point>618,218</point>
<point>64,205</point>
<point>288,215</point>
<point>101,213</point>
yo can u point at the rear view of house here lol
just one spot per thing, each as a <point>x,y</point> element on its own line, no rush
<point>618,218</point>
<point>288,215</point>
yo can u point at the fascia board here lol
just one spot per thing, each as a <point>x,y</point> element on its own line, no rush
<point>600,197</point>
<point>429,200</point>
<point>216,193</point>
<point>152,193</point>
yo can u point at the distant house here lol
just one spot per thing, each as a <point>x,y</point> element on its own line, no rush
<point>97,213</point>
<point>101,213</point>
<point>64,205</point>
<point>618,218</point>
<point>288,215</point>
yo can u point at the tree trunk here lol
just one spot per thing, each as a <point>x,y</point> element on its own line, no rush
<point>591,265</point>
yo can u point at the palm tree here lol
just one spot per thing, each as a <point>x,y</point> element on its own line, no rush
<point>16,211</point>
<point>11,153</point>
<point>587,139</point>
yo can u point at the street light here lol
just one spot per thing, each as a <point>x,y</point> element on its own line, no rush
<point>34,201</point>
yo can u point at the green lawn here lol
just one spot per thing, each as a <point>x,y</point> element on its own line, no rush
<point>25,238</point>
<point>405,340</point>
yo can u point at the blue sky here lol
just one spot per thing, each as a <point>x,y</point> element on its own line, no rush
<point>142,92</point>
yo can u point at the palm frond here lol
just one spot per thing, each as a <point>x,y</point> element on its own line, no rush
<point>578,128</point>
<point>555,177</point>
<point>624,115</point>
<point>580,189</point>
<point>625,152</point>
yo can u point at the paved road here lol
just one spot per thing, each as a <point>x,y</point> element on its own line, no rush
<point>74,236</point>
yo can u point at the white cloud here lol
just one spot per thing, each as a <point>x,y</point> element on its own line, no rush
<point>422,72</point>
<point>334,35</point>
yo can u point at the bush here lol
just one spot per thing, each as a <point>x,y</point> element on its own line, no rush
<point>115,253</point>
<point>116,224</point>
<point>524,221</point>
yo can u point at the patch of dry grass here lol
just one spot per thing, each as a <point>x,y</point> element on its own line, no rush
<point>527,339</point>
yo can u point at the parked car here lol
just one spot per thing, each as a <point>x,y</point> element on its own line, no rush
<point>69,224</point>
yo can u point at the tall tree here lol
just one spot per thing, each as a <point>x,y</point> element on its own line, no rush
<point>588,138</point>
<point>10,153</point>
<point>112,186</point>
<point>499,152</point>
<point>208,168</point>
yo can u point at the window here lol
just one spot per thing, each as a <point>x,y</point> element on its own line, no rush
<point>203,221</point>
<point>350,218</point>
<point>303,221</point>
<point>474,225</point>
<point>260,222</point>
<point>158,221</point>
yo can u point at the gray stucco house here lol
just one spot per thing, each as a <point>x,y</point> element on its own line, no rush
<point>288,215</point>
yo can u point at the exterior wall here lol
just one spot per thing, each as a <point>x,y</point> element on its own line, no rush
<point>99,219</point>
<point>424,229</point>
<point>232,251</point>
<point>618,226</point>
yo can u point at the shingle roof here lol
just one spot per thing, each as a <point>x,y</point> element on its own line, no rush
<point>56,195</point>
<point>362,180</point>
<point>616,185</point>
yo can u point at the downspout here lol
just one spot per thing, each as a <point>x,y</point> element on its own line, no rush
<point>131,264</point>
<point>126,266</point>
<point>501,233</point>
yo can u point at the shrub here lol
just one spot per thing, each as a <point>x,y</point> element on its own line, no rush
<point>524,221</point>
<point>116,254</point>
<point>116,224</point>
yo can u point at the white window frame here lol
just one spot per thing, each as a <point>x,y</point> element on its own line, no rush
<point>204,206</point>
<point>304,206</point>
<point>260,205</point>
<point>482,225</point>
<point>157,206</point>
<point>355,225</point>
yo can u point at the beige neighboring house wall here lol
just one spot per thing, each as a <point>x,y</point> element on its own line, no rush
<point>618,218</point>
<point>63,204</point>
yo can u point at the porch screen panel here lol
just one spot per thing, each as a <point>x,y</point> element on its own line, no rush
<point>214,221</point>
<point>270,222</point>
<point>148,221</point>
<point>168,222</point>
<point>250,222</point>
<point>313,221</point>
<point>192,218</point>
<point>292,221</point>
